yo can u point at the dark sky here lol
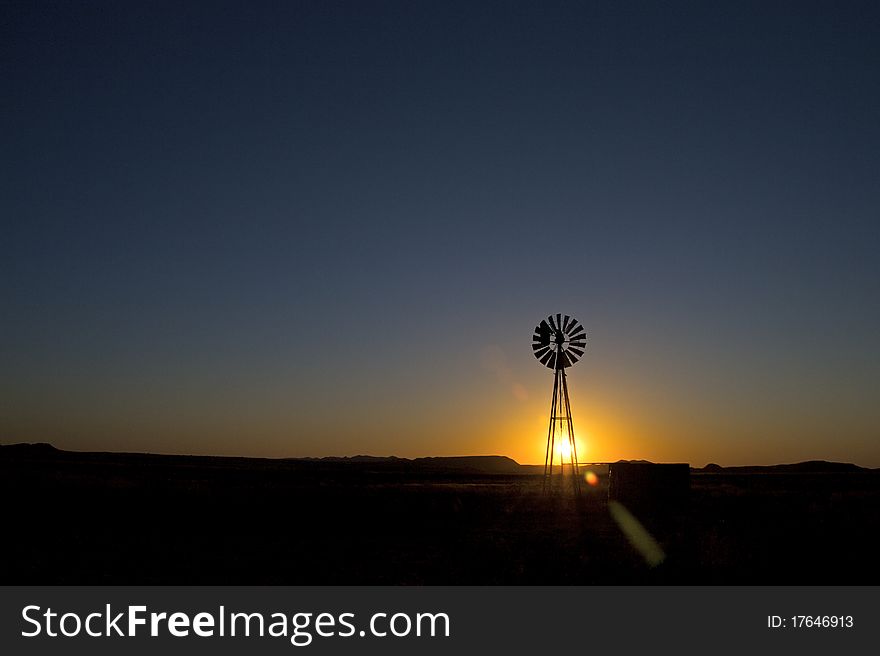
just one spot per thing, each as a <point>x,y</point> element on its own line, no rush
<point>314,228</point>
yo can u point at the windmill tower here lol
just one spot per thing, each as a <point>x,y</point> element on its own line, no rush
<point>558,343</point>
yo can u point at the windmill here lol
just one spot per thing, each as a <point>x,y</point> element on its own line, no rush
<point>558,343</point>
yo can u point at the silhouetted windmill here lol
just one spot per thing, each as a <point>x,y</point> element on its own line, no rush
<point>558,344</point>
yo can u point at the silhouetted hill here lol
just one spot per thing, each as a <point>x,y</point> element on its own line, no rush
<point>463,464</point>
<point>808,467</point>
<point>358,458</point>
<point>25,449</point>
<point>486,464</point>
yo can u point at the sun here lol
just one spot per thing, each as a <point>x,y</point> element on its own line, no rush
<point>563,448</point>
<point>562,451</point>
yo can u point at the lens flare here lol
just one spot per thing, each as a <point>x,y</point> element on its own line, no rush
<point>591,478</point>
<point>638,535</point>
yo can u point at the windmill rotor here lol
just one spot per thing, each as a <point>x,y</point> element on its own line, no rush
<point>559,341</point>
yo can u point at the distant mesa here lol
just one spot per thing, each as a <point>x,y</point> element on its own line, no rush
<point>494,464</point>
<point>358,458</point>
<point>29,449</point>
<point>808,467</point>
<point>463,464</point>
<point>483,464</point>
<point>819,466</point>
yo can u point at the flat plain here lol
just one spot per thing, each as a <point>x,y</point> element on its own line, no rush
<point>109,518</point>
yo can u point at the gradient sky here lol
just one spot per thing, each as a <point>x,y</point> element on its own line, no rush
<point>328,228</point>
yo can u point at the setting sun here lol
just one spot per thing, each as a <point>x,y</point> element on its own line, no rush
<point>563,448</point>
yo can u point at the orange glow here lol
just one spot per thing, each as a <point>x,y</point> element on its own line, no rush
<point>608,429</point>
<point>591,478</point>
<point>600,437</point>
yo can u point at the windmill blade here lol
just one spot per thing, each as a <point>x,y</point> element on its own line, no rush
<point>538,345</point>
<point>573,358</point>
<point>559,321</point>
<point>575,331</point>
<point>546,357</point>
<point>552,364</point>
<point>542,333</point>
<point>540,353</point>
<point>578,352</point>
<point>552,325</point>
<point>579,345</point>
<point>565,321</point>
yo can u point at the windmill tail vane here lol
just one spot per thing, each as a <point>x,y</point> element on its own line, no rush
<point>559,342</point>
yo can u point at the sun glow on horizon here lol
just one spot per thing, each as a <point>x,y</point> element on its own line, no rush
<point>562,448</point>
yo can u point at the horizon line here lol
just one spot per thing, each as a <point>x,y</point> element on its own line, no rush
<point>394,457</point>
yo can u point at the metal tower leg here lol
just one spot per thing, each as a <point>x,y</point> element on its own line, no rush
<point>551,437</point>
<point>576,478</point>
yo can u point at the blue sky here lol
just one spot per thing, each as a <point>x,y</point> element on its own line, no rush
<point>299,228</point>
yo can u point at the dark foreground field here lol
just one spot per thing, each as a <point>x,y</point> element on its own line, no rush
<point>74,518</point>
